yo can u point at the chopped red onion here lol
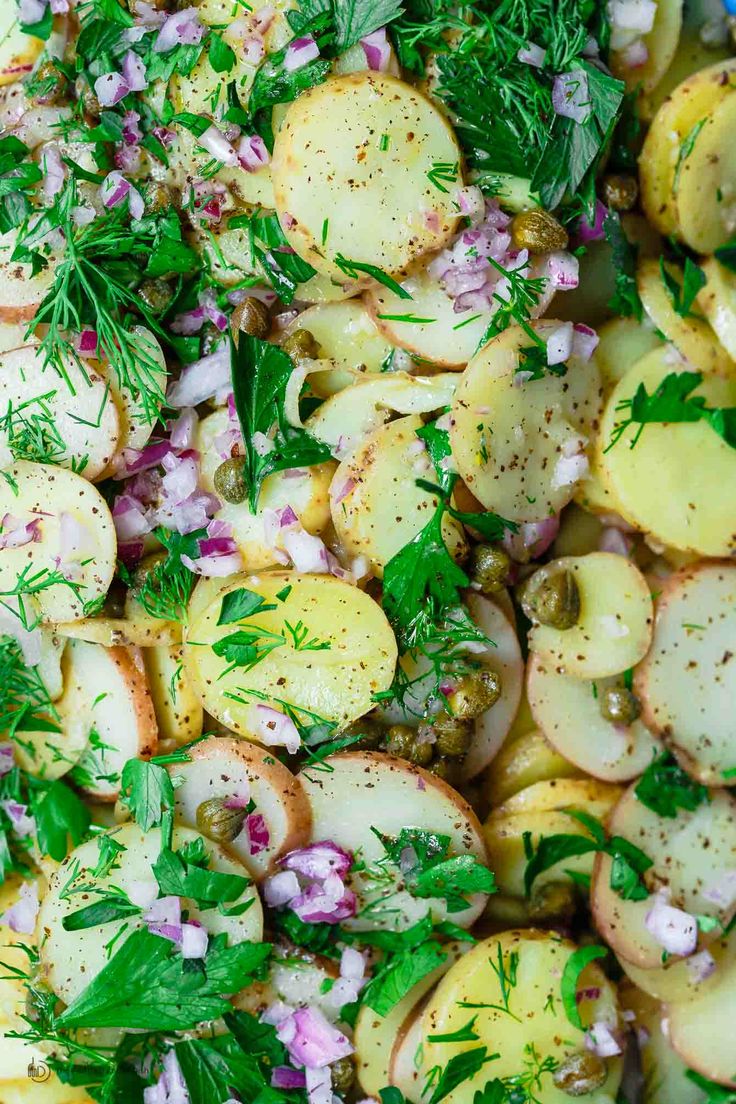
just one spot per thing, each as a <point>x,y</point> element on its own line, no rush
<point>632,15</point>
<point>31,11</point>
<point>217,145</point>
<point>634,55</point>
<point>115,189</point>
<point>17,533</point>
<point>6,759</point>
<point>532,540</point>
<point>471,202</point>
<point>165,135</point>
<point>182,430</point>
<point>613,540</point>
<point>258,834</point>
<point>281,888</point>
<point>183,28</point>
<point>253,152</point>
<point>564,271</point>
<point>194,941</point>
<point>132,132</point>
<point>128,158</point>
<point>723,893</point>
<point>143,893</point>
<point>274,729</point>
<point>600,1039</point>
<point>701,966</point>
<point>352,964</point>
<point>201,380</point>
<point>111,88</point>
<point>570,469</point>
<point>584,232</point>
<point>531,54</point>
<point>53,172</point>
<point>300,52</point>
<point>164,918</point>
<point>559,344</point>
<point>570,95</point>
<point>318,860</point>
<point>672,928</point>
<point>21,823</point>
<point>348,486</point>
<point>377,50</point>
<point>584,341</point>
<point>307,553</point>
<point>134,72</point>
<point>284,1077</point>
<point>21,917</point>
<point>171,1088</point>
<point>319,1086</point>
<point>312,1040</point>
<point>87,343</point>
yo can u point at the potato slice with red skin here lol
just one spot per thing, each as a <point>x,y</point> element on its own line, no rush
<point>692,853</point>
<point>366,790</point>
<point>701,1030</point>
<point>230,768</point>
<point>687,682</point>
<point>22,293</point>
<point>568,711</point>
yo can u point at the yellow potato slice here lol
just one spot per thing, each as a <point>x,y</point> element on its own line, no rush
<point>690,102</point>
<point>706,189</point>
<point>18,50</point>
<point>22,293</point>
<point>367,790</point>
<point>339,194</point>
<point>692,336</point>
<point>718,301</point>
<point>49,492</point>
<point>379,482</point>
<point>580,531</point>
<point>63,951</point>
<point>663,1070</point>
<point>687,682</point>
<point>677,482</point>
<point>347,336</point>
<point>511,1019</point>
<point>614,628</point>
<point>522,762</point>
<point>676,846</point>
<point>661,43</point>
<point>676,981</point>
<point>622,341</point>
<point>701,1030</point>
<point>140,632</point>
<point>567,710</point>
<point>337,683</point>
<point>557,795</point>
<point>692,55</point>
<point>508,434</point>
<point>178,709</point>
<point>136,426</point>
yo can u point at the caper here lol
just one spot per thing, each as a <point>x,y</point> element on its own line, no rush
<point>342,1073</point>
<point>229,480</point>
<point>251,317</point>
<point>538,231</point>
<point>551,597</point>
<point>553,902</point>
<point>368,730</point>
<point>618,705</point>
<point>445,768</point>
<point>92,106</point>
<point>453,735</point>
<point>474,694</point>
<point>157,197</point>
<point>582,1073</point>
<point>301,345</point>
<point>620,191</point>
<point>218,821</point>
<point>489,567</point>
<point>50,86</point>
<point>405,743</point>
<point>115,600</point>
<point>156,295</point>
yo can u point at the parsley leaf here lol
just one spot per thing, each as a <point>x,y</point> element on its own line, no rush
<point>147,791</point>
<point>682,295</point>
<point>241,603</point>
<point>353,269</point>
<point>352,19</point>
<point>221,56</point>
<point>400,973</point>
<point>284,268</point>
<point>665,787</point>
<point>715,1094</point>
<point>434,873</point>
<point>574,967</point>
<point>165,590</point>
<point>461,1067</point>
<point>626,301</point>
<point>60,816</point>
<point>260,373</point>
<point>726,254</point>
<point>671,402</point>
<point>178,878</point>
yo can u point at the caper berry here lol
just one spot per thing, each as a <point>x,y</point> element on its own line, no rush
<point>538,231</point>
<point>157,197</point>
<point>405,743</point>
<point>156,295</point>
<point>553,902</point>
<point>251,317</point>
<point>551,597</point>
<point>620,191</point>
<point>474,694</point>
<point>618,705</point>
<point>216,820</point>
<point>445,768</point>
<point>342,1073</point>
<point>301,345</point>
<point>453,735</point>
<point>229,480</point>
<point>489,567</point>
<point>50,86</point>
<point>582,1073</point>
<point>368,729</point>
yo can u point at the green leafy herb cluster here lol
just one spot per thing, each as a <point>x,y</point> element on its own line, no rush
<point>433,872</point>
<point>673,401</point>
<point>665,788</point>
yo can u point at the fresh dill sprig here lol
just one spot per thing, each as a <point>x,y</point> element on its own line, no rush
<point>31,582</point>
<point>31,432</point>
<point>165,590</point>
<point>25,704</point>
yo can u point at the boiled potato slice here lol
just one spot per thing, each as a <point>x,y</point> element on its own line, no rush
<point>614,628</point>
<point>513,1017</point>
<point>306,490</point>
<point>676,846</point>
<point>78,418</point>
<point>676,981</point>
<point>557,795</point>
<point>204,595</point>
<point>403,1068</point>
<point>379,482</point>
<point>718,300</point>
<point>701,1030</point>
<point>503,657</point>
<point>63,951</point>
<point>622,341</point>
<point>568,711</point>
<point>13,335</point>
<point>18,50</point>
<point>690,102</point>
<point>346,335</point>
<point>49,493</point>
<point>580,531</point>
<point>508,434</point>
<point>375,1036</point>
<point>339,194</point>
<point>178,709</point>
<point>522,762</point>
<point>706,190</point>
<point>692,336</point>
<point>692,55</point>
<point>51,755</point>
<point>138,632</point>
<point>661,43</point>
<point>22,293</point>
<point>136,426</point>
<point>106,700</point>
<point>337,682</point>
<point>676,483</point>
<point>687,682</point>
<point>367,790</point>
<point>663,1070</point>
<point>230,768</point>
<point>347,418</point>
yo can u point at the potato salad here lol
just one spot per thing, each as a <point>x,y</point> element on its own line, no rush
<point>367,551</point>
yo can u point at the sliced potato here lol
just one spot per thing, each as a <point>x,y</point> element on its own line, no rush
<point>178,709</point>
<point>62,952</point>
<point>51,755</point>
<point>614,628</point>
<point>136,425</point>
<point>687,682</point>
<point>339,194</point>
<point>337,682</point>
<point>18,50</point>
<point>139,632</point>
<point>503,657</point>
<point>522,762</point>
<point>231,768</point>
<point>347,336</point>
<point>692,336</point>
<point>622,341</point>
<point>706,189</point>
<point>580,531</point>
<point>701,1030</point>
<point>49,493</point>
<point>663,1070</point>
<point>686,466</point>
<point>691,57</point>
<point>404,1064</point>
<point>508,435</point>
<point>676,981</point>
<point>690,102</point>
<point>368,790</point>
<point>378,482</point>
<point>661,45</point>
<point>22,293</point>
<point>718,300</point>
<point>520,1018</point>
<point>568,711</point>
<point>676,846</point>
<point>557,795</point>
